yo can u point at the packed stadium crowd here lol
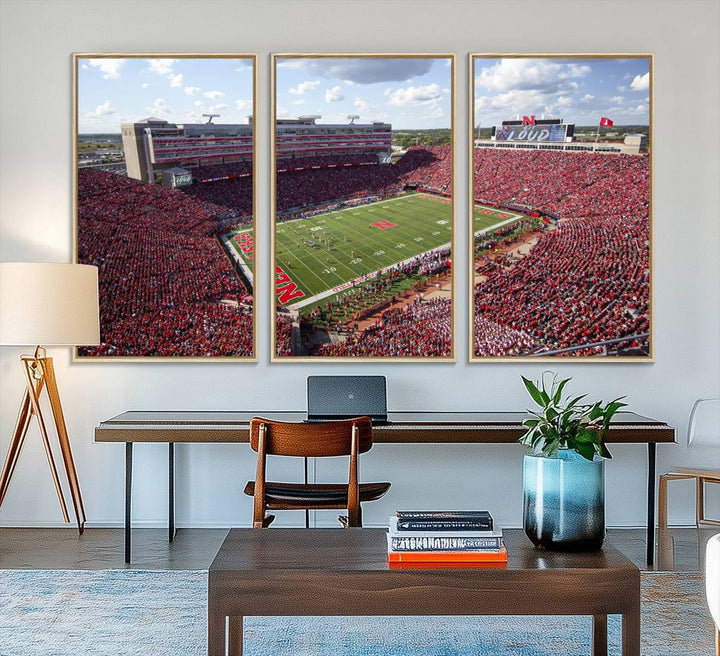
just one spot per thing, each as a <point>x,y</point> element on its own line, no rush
<point>166,287</point>
<point>419,329</point>
<point>586,279</point>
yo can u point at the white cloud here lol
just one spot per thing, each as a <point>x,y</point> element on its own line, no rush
<point>101,110</point>
<point>304,87</point>
<point>299,101</point>
<point>244,105</point>
<point>213,95</point>
<point>109,68</point>
<point>538,74</point>
<point>334,95</point>
<point>416,95</point>
<point>191,91</point>
<point>161,66</point>
<point>144,85</point>
<point>159,108</point>
<point>363,106</point>
<point>641,82</point>
<point>618,100</point>
<point>216,109</point>
<point>176,80</point>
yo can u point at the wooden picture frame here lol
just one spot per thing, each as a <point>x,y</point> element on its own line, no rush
<point>164,203</point>
<point>363,232</point>
<point>561,195</point>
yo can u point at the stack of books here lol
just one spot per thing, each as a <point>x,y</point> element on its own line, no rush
<point>445,538</point>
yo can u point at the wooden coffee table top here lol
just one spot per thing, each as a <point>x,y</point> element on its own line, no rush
<point>365,549</point>
<point>280,572</point>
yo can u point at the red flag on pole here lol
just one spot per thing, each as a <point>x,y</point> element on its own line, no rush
<point>605,122</point>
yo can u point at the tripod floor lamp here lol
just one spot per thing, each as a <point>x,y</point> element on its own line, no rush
<point>46,304</point>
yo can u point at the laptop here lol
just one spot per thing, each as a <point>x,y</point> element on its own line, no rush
<point>331,398</point>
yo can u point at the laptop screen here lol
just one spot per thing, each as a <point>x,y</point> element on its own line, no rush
<point>340,397</point>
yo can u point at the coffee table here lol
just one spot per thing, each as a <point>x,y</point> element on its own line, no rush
<point>276,572</point>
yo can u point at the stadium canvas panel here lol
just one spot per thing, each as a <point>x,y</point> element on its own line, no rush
<point>363,207</point>
<point>560,236</point>
<point>164,202</point>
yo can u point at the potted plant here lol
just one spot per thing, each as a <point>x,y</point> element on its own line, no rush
<point>564,468</point>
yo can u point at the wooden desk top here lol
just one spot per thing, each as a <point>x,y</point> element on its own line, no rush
<point>404,427</point>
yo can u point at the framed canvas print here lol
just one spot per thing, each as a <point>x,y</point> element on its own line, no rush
<point>560,191</point>
<point>163,148</point>
<point>363,209</point>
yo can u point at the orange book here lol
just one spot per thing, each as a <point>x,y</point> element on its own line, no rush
<point>449,557</point>
<point>448,565</point>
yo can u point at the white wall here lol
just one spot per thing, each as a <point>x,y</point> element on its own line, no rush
<point>38,37</point>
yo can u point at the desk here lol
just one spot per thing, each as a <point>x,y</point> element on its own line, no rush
<point>173,427</point>
<point>345,572</point>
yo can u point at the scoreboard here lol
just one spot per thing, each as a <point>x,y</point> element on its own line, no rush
<point>557,133</point>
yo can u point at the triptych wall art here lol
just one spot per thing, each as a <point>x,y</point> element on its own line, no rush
<point>364,216</point>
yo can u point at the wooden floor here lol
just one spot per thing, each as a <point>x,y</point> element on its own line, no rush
<point>680,549</point>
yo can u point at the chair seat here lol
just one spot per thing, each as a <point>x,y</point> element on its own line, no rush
<point>713,474</point>
<point>327,495</point>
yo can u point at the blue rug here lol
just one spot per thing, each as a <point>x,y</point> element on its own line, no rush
<point>131,612</point>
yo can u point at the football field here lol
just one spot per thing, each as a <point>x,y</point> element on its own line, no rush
<point>319,256</point>
<point>487,219</point>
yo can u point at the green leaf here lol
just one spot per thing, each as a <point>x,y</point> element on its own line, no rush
<point>587,451</point>
<point>534,392</point>
<point>558,393</point>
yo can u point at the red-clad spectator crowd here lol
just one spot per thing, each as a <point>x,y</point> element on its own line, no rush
<point>586,279</point>
<point>166,286</point>
<point>420,329</point>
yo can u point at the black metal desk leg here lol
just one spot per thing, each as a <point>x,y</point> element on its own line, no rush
<point>128,497</point>
<point>651,505</point>
<point>171,491</point>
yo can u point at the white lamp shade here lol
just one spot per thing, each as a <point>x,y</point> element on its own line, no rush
<point>48,304</point>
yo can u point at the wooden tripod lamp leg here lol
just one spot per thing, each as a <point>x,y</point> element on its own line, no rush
<point>35,376</point>
<point>39,373</point>
<point>64,440</point>
<point>15,444</point>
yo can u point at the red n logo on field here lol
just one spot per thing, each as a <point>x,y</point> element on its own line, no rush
<point>529,120</point>
<point>285,288</point>
<point>246,243</point>
<point>383,225</point>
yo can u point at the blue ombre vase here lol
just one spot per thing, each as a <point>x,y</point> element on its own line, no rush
<point>564,501</point>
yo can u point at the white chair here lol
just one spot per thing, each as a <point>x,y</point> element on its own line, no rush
<point>703,431</point>
<point>712,584</point>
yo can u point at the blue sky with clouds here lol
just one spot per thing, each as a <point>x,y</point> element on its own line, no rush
<point>580,91</point>
<point>408,92</point>
<point>180,90</point>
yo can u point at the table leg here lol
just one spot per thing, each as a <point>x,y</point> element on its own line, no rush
<point>651,505</point>
<point>171,491</point>
<point>235,636</point>
<point>599,635</point>
<point>128,497</point>
<point>216,634</point>
<point>631,633</point>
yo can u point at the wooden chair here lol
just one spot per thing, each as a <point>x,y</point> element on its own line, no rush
<point>349,437</point>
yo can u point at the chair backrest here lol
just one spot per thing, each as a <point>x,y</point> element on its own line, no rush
<point>704,423</point>
<point>312,439</point>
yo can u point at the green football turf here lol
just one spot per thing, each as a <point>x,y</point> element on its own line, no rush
<point>414,224</point>
<point>486,217</point>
